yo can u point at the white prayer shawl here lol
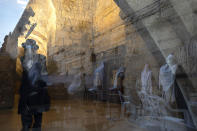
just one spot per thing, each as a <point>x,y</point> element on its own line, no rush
<point>75,86</point>
<point>146,80</point>
<point>98,76</point>
<point>120,70</point>
<point>167,78</point>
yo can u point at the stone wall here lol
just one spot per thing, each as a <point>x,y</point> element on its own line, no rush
<point>118,43</point>
<point>72,36</point>
<point>170,26</point>
<point>7,77</point>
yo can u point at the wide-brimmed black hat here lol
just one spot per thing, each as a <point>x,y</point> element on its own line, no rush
<point>30,43</point>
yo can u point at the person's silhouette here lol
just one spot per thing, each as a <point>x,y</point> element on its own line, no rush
<point>34,98</point>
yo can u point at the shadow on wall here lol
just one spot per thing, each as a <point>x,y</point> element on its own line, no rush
<point>8,76</point>
<point>24,21</point>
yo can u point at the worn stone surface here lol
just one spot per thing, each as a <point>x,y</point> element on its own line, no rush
<point>74,115</point>
<point>58,91</point>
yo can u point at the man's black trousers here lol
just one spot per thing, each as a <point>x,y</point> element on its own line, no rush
<point>29,119</point>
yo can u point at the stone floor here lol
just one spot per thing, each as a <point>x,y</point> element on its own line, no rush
<point>73,115</point>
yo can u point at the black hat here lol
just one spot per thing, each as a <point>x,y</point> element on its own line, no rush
<point>30,43</point>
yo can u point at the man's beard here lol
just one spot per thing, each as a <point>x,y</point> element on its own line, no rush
<point>28,61</point>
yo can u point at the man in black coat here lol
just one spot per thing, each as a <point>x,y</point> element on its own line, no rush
<point>34,98</point>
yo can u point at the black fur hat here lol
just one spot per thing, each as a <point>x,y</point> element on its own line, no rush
<point>30,43</point>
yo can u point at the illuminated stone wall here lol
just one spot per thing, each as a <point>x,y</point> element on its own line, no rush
<point>40,15</point>
<point>63,31</point>
<point>109,30</point>
<point>45,20</point>
<point>72,36</point>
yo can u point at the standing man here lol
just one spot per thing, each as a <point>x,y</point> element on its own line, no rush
<point>34,98</point>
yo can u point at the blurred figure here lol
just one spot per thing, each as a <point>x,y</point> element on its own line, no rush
<point>34,98</point>
<point>98,82</point>
<point>83,84</point>
<point>118,82</point>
